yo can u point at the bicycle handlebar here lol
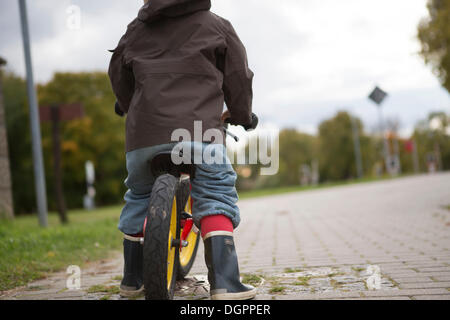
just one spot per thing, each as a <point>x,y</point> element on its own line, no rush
<point>250,127</point>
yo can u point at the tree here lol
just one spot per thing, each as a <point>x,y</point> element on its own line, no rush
<point>434,36</point>
<point>98,137</point>
<point>19,138</point>
<point>296,149</point>
<point>336,148</point>
<point>432,136</point>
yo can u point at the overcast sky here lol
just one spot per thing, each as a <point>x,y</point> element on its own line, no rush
<point>310,58</point>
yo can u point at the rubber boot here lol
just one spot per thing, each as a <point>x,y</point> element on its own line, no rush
<point>132,283</point>
<point>223,269</point>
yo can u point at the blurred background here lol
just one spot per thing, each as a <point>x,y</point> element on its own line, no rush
<point>315,65</point>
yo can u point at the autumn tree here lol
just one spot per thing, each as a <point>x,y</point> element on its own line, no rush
<point>98,137</point>
<point>434,36</point>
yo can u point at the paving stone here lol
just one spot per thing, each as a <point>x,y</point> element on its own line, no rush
<point>407,292</point>
<point>412,279</point>
<point>380,298</point>
<point>321,296</point>
<point>421,285</point>
<point>432,297</point>
<point>434,269</point>
<point>441,278</point>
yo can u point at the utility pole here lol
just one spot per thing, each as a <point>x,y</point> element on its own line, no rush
<point>38,165</point>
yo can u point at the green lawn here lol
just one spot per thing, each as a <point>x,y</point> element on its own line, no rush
<point>28,252</point>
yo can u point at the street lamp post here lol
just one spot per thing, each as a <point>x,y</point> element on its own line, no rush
<point>39,175</point>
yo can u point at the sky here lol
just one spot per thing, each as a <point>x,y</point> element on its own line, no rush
<point>311,58</point>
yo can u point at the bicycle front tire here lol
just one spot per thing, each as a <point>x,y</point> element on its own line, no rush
<point>160,257</point>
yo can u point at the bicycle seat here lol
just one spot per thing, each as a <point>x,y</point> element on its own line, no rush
<point>162,164</point>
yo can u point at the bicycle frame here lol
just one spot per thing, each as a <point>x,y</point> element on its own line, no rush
<point>187,224</point>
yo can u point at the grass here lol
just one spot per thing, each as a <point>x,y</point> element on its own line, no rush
<point>336,284</point>
<point>277,289</point>
<point>302,281</point>
<point>290,189</point>
<point>104,289</point>
<point>358,269</point>
<point>292,270</point>
<point>335,274</point>
<point>28,252</point>
<point>251,279</point>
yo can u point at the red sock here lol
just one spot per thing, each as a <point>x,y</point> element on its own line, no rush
<point>216,223</point>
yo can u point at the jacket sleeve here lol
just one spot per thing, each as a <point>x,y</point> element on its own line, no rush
<point>238,78</point>
<point>122,79</point>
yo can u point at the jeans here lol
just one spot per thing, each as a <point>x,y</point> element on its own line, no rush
<point>213,188</point>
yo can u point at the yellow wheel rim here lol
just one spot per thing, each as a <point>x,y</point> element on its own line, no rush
<point>171,249</point>
<point>187,252</point>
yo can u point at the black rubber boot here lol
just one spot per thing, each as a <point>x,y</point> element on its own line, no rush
<point>223,270</point>
<point>132,283</point>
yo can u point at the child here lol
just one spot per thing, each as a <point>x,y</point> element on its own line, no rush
<point>178,63</point>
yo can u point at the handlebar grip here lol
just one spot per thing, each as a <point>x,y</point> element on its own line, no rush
<point>117,109</point>
<point>252,126</point>
<point>254,123</point>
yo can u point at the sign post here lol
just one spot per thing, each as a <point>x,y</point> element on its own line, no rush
<point>378,96</point>
<point>89,202</point>
<point>55,114</point>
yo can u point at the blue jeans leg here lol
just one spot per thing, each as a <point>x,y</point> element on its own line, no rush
<point>139,183</point>
<point>213,188</point>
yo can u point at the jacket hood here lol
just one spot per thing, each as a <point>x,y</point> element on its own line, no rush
<point>156,9</point>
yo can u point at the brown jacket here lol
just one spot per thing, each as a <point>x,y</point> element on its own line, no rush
<point>178,63</point>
